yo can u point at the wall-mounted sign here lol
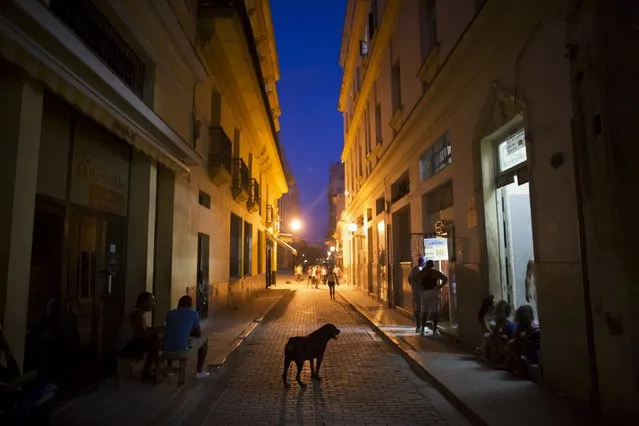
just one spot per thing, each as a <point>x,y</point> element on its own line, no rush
<point>436,249</point>
<point>100,177</point>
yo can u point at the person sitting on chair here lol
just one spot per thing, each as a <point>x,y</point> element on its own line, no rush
<point>183,334</point>
<point>142,339</point>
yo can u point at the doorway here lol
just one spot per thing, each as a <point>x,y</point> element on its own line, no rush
<point>512,195</point>
<point>97,243</point>
<point>269,264</point>
<point>203,291</point>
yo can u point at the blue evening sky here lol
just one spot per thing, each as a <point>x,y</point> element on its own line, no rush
<point>308,37</point>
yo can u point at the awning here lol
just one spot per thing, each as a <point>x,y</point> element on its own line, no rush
<point>136,124</point>
<point>283,243</point>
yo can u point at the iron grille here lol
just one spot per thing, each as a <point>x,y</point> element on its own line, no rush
<point>92,27</point>
<point>269,215</point>
<point>254,191</point>
<point>240,174</point>
<point>221,148</point>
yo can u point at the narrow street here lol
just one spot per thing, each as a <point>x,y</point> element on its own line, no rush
<point>364,381</point>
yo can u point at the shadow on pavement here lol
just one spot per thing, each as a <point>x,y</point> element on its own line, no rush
<point>280,308</point>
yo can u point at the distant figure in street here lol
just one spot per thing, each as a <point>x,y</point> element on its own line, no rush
<point>298,273</point>
<point>416,287</point>
<point>142,339</point>
<point>184,334</point>
<point>331,280</point>
<point>310,276</point>
<point>432,281</point>
<point>318,276</point>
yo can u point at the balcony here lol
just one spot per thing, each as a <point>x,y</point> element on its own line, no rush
<point>240,187</point>
<point>93,28</point>
<point>220,156</point>
<point>254,201</point>
<point>270,217</point>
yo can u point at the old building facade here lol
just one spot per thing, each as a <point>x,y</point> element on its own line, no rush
<point>459,145</point>
<point>141,154</point>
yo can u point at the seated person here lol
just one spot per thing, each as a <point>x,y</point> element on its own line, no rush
<point>20,395</point>
<point>497,343</point>
<point>525,344</point>
<point>486,320</point>
<point>183,334</point>
<point>142,339</point>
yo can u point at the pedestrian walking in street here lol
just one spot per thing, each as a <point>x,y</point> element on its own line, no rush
<point>331,280</point>
<point>432,281</point>
<point>310,276</point>
<point>416,288</point>
<point>318,276</point>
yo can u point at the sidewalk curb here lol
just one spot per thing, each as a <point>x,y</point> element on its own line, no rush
<point>250,328</point>
<point>406,351</point>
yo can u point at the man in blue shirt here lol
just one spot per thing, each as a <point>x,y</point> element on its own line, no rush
<point>183,333</point>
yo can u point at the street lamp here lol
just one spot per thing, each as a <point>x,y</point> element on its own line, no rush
<point>352,227</point>
<point>332,249</point>
<point>296,225</point>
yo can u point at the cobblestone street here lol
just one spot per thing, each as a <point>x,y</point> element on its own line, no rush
<point>364,382</point>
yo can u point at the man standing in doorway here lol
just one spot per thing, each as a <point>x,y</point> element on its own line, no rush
<point>432,281</point>
<point>416,287</point>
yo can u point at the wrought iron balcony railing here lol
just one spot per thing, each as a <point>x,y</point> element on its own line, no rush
<point>269,215</point>
<point>254,200</point>
<point>221,148</point>
<point>93,28</point>
<point>240,174</point>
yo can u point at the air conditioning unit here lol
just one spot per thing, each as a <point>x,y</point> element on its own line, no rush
<point>363,47</point>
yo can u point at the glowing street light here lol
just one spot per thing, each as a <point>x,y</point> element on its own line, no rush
<point>352,227</point>
<point>296,225</point>
<point>332,248</point>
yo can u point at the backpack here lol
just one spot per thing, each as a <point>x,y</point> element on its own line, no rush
<point>429,279</point>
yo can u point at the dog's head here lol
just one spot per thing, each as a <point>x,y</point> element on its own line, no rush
<point>330,331</point>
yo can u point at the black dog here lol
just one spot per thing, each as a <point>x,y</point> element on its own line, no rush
<point>303,348</point>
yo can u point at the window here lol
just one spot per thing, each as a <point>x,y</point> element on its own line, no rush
<point>260,242</point>
<point>248,249</point>
<point>204,199</point>
<point>380,205</point>
<point>373,18</point>
<point>378,123</point>
<point>93,28</point>
<point>367,131</point>
<point>400,188</point>
<point>428,27</point>
<point>396,86</point>
<point>436,158</point>
<point>440,198</point>
<point>235,257</point>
